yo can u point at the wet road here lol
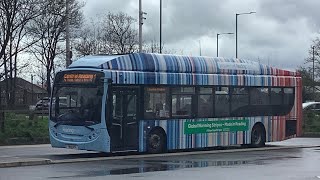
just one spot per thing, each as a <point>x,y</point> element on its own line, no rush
<point>297,163</point>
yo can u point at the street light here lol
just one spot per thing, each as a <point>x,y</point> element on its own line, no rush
<point>160,27</point>
<point>141,19</point>
<point>313,92</point>
<point>252,12</point>
<point>68,58</point>
<point>218,41</point>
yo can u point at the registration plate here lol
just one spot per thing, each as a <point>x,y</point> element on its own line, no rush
<point>71,146</point>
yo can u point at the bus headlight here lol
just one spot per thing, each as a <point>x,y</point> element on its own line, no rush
<point>93,135</point>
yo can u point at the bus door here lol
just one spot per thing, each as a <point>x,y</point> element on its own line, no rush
<point>124,123</point>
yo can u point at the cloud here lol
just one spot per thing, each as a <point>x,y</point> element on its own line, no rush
<point>279,34</point>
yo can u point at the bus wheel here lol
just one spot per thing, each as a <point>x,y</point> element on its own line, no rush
<point>258,136</point>
<point>156,141</point>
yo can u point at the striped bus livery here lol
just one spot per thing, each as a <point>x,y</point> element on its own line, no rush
<point>175,70</point>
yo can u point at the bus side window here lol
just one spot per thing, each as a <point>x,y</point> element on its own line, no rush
<point>156,103</point>
<point>239,101</point>
<point>222,103</point>
<point>182,102</point>
<point>276,96</point>
<point>181,105</point>
<point>205,102</point>
<point>288,96</point>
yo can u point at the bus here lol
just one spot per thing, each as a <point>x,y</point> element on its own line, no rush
<point>156,103</point>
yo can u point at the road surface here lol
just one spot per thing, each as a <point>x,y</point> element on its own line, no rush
<point>288,163</point>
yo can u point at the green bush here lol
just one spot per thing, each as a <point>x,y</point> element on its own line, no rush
<point>311,121</point>
<point>19,129</point>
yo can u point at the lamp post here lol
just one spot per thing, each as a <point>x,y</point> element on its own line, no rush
<point>238,14</point>
<point>68,58</point>
<point>32,89</point>
<point>313,82</point>
<point>218,41</point>
<point>200,48</point>
<point>141,19</point>
<point>160,27</point>
<point>140,27</point>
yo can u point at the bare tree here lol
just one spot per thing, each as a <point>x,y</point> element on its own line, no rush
<point>114,34</point>
<point>51,27</point>
<point>121,34</point>
<point>314,57</point>
<point>154,47</point>
<point>89,40</point>
<point>15,15</point>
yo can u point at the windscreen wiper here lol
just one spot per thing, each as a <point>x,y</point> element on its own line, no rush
<point>92,129</point>
<point>63,123</point>
<point>86,124</point>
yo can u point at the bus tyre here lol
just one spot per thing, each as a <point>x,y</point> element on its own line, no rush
<point>156,141</point>
<point>258,136</point>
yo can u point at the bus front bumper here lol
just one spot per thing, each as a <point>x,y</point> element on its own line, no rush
<point>100,144</point>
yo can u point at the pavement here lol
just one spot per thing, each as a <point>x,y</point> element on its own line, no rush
<point>31,155</point>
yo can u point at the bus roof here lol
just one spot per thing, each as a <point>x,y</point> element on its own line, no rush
<point>147,62</point>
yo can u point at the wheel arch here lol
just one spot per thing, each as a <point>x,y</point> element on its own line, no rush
<point>162,131</point>
<point>261,125</point>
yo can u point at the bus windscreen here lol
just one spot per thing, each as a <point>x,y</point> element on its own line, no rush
<point>76,98</point>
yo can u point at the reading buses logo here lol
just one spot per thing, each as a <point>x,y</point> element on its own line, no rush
<point>215,126</point>
<point>68,130</point>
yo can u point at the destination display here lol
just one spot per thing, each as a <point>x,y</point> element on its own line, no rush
<point>156,89</point>
<point>79,78</point>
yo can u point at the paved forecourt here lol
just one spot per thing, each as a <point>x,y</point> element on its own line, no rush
<point>29,155</point>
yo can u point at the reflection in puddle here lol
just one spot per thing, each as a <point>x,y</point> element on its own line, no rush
<point>153,166</point>
<point>143,166</point>
<point>173,165</point>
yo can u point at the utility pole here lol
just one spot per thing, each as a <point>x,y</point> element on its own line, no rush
<point>237,35</point>
<point>200,47</point>
<point>141,18</point>
<point>140,27</point>
<point>160,27</point>
<point>314,84</point>
<point>68,52</point>
<point>0,97</point>
<point>218,44</point>
<point>32,89</point>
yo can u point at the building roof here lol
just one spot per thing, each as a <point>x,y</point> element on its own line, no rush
<point>177,64</point>
<point>26,85</point>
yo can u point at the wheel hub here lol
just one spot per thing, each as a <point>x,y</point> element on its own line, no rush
<point>256,137</point>
<point>155,141</point>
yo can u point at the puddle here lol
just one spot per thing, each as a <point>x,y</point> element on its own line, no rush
<point>144,166</point>
<point>153,166</point>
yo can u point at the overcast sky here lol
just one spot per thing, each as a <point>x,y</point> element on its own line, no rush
<point>280,33</point>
